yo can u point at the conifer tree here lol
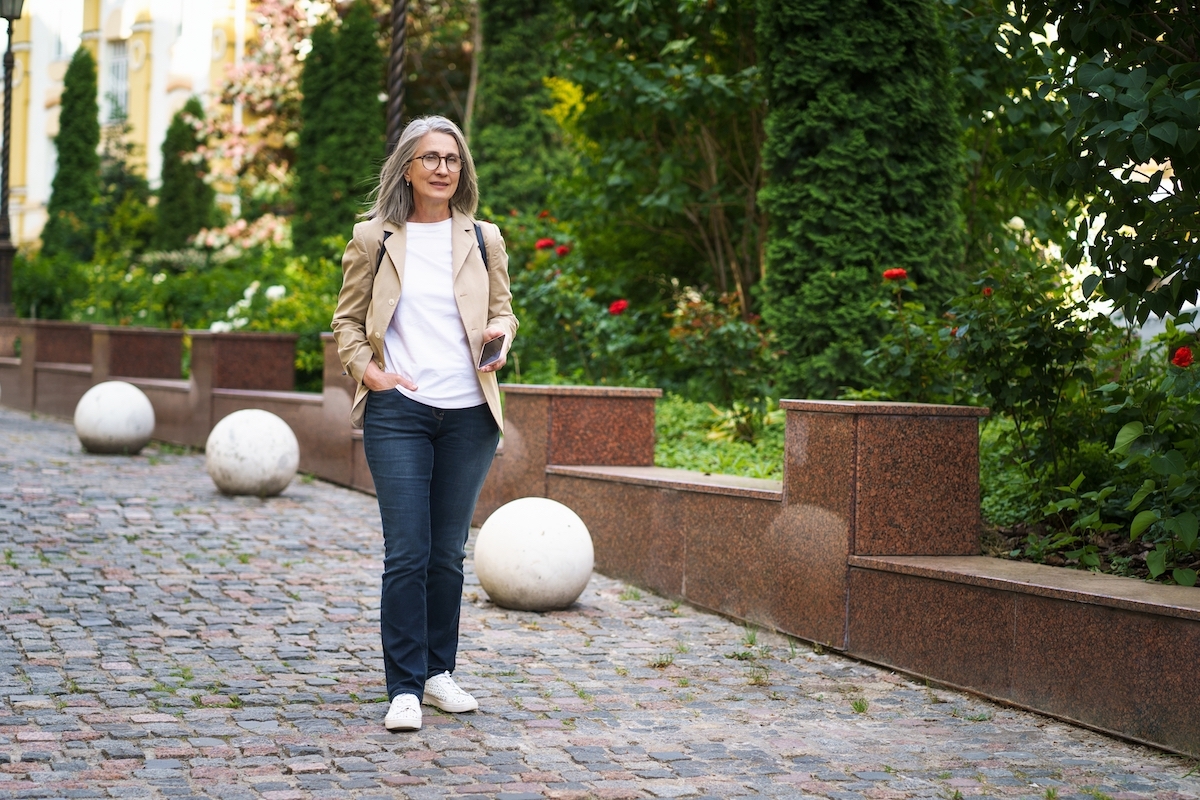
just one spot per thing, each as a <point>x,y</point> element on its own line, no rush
<point>342,127</point>
<point>70,231</point>
<point>863,161</point>
<point>185,201</point>
<point>516,146</point>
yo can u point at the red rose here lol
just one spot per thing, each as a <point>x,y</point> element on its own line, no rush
<point>954,331</point>
<point>1182,357</point>
<point>618,307</point>
<point>562,249</point>
<point>544,214</point>
<point>542,244</point>
<point>987,291</point>
<point>896,274</point>
<point>512,212</point>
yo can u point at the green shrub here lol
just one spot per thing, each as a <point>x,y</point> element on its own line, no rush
<point>516,145</point>
<point>686,440</point>
<point>862,154</point>
<point>69,227</point>
<point>185,201</point>
<point>342,131</point>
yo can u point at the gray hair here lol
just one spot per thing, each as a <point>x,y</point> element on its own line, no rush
<point>392,200</point>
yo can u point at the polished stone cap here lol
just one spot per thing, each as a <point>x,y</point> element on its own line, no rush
<point>679,479</point>
<point>879,407</point>
<point>1059,583</point>
<point>578,391</point>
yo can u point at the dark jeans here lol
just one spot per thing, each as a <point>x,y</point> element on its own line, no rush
<point>428,465</point>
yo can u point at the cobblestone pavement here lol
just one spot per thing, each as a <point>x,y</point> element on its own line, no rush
<point>158,640</point>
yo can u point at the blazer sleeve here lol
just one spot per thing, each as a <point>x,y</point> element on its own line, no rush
<point>350,316</point>
<point>500,312</point>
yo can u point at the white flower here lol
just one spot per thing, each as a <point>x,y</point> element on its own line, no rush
<point>250,290</point>
<point>240,322</point>
<point>142,313</point>
<point>274,293</point>
<point>220,326</point>
<point>159,278</point>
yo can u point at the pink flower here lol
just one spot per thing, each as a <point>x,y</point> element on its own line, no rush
<point>1182,357</point>
<point>896,274</point>
<point>562,249</point>
<point>617,307</point>
<point>542,244</point>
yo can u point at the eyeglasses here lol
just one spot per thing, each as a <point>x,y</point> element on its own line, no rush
<point>431,161</point>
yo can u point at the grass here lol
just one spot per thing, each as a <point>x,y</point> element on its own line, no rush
<point>858,705</point>
<point>630,593</point>
<point>683,427</point>
<point>662,661</point>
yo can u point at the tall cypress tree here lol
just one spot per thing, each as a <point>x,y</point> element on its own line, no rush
<point>342,127</point>
<point>70,231</point>
<point>863,157</point>
<point>185,201</point>
<point>516,146</point>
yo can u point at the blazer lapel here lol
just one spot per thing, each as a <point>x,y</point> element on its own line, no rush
<point>396,245</point>
<point>463,243</point>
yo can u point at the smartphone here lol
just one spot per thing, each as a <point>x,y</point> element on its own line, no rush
<point>491,351</point>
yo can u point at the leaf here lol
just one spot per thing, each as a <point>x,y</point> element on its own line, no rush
<point>1189,527</point>
<point>1172,463</point>
<point>1141,494</point>
<point>1142,521</point>
<point>1142,146</point>
<point>1157,562</point>
<point>1167,131</point>
<point>1089,285</point>
<point>1184,577</point>
<point>1127,436</point>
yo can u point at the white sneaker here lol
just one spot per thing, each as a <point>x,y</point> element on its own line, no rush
<point>404,714</point>
<point>441,691</point>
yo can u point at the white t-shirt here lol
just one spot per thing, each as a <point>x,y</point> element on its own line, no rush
<point>426,341</point>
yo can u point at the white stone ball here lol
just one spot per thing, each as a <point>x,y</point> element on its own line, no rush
<point>534,554</point>
<point>114,417</point>
<point>252,452</point>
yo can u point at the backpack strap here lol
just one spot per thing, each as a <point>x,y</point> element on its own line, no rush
<point>482,246</point>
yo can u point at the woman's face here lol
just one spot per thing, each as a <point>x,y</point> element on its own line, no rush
<point>436,186</point>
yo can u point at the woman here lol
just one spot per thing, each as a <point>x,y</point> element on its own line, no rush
<point>419,299</point>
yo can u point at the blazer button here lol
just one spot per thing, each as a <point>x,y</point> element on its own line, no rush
<point>391,302</point>
<point>376,334</point>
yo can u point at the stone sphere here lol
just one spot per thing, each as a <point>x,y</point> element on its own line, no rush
<point>534,554</point>
<point>252,452</point>
<point>114,417</point>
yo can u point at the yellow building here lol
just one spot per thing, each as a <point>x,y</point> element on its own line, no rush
<point>152,55</point>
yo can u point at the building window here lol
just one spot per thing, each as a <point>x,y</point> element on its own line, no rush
<point>118,81</point>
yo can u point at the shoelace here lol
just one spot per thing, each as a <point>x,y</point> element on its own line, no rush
<point>443,684</point>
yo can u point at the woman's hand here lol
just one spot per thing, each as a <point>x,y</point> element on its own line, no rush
<point>377,380</point>
<point>496,333</point>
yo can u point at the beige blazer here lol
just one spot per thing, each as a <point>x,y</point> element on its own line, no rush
<point>368,299</point>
